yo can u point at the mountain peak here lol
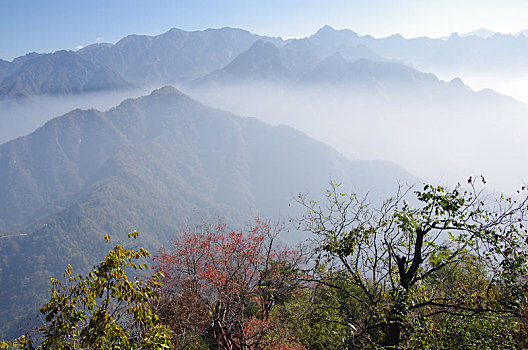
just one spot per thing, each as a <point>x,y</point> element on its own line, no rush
<point>174,30</point>
<point>396,36</point>
<point>326,29</point>
<point>261,44</point>
<point>328,36</point>
<point>166,90</point>
<point>523,32</point>
<point>28,56</point>
<point>481,33</point>
<point>457,82</point>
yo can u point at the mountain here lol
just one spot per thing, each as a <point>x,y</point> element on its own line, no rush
<point>187,57</point>
<point>262,62</point>
<point>18,62</point>
<point>523,32</point>
<point>498,53</point>
<point>37,87</point>
<point>152,164</point>
<point>21,116</point>
<point>164,160</point>
<point>176,56</point>
<point>59,73</point>
<point>180,57</point>
<point>382,110</point>
<point>481,33</point>
<point>266,63</point>
<point>327,41</point>
<point>4,68</point>
<point>74,78</point>
<point>336,71</point>
<point>286,68</point>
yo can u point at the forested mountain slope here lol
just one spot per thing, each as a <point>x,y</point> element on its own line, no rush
<point>151,164</point>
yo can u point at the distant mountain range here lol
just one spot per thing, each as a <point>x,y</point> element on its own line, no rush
<point>359,79</point>
<point>396,112</point>
<point>176,56</point>
<point>173,57</point>
<point>499,53</point>
<point>180,57</point>
<point>157,162</point>
<point>37,87</point>
<point>523,32</point>
<point>262,62</point>
<point>152,164</point>
<point>481,33</point>
<point>59,73</point>
<point>352,80</point>
<point>265,63</point>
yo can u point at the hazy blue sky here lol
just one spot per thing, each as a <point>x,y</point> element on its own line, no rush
<point>48,25</point>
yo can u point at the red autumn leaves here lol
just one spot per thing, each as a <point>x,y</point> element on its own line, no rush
<point>221,287</point>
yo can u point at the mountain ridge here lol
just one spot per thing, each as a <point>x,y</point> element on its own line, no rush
<point>58,73</point>
<point>153,164</point>
<point>175,56</point>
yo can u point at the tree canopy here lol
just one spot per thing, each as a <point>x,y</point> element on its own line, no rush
<point>221,287</point>
<point>433,268</point>
<point>104,309</point>
<point>394,273</point>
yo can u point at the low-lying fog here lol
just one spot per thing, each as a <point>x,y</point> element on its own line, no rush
<point>511,82</point>
<point>21,117</point>
<point>440,137</point>
<point>516,87</point>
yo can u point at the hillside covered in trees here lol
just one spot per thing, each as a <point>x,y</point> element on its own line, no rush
<point>154,163</point>
<point>448,273</point>
<point>223,174</point>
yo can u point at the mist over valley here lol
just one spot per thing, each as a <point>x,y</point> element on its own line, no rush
<point>156,132</point>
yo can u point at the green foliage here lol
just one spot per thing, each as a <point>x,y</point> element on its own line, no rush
<point>153,163</point>
<point>314,316</point>
<point>103,309</point>
<point>467,283</point>
<point>454,262</point>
